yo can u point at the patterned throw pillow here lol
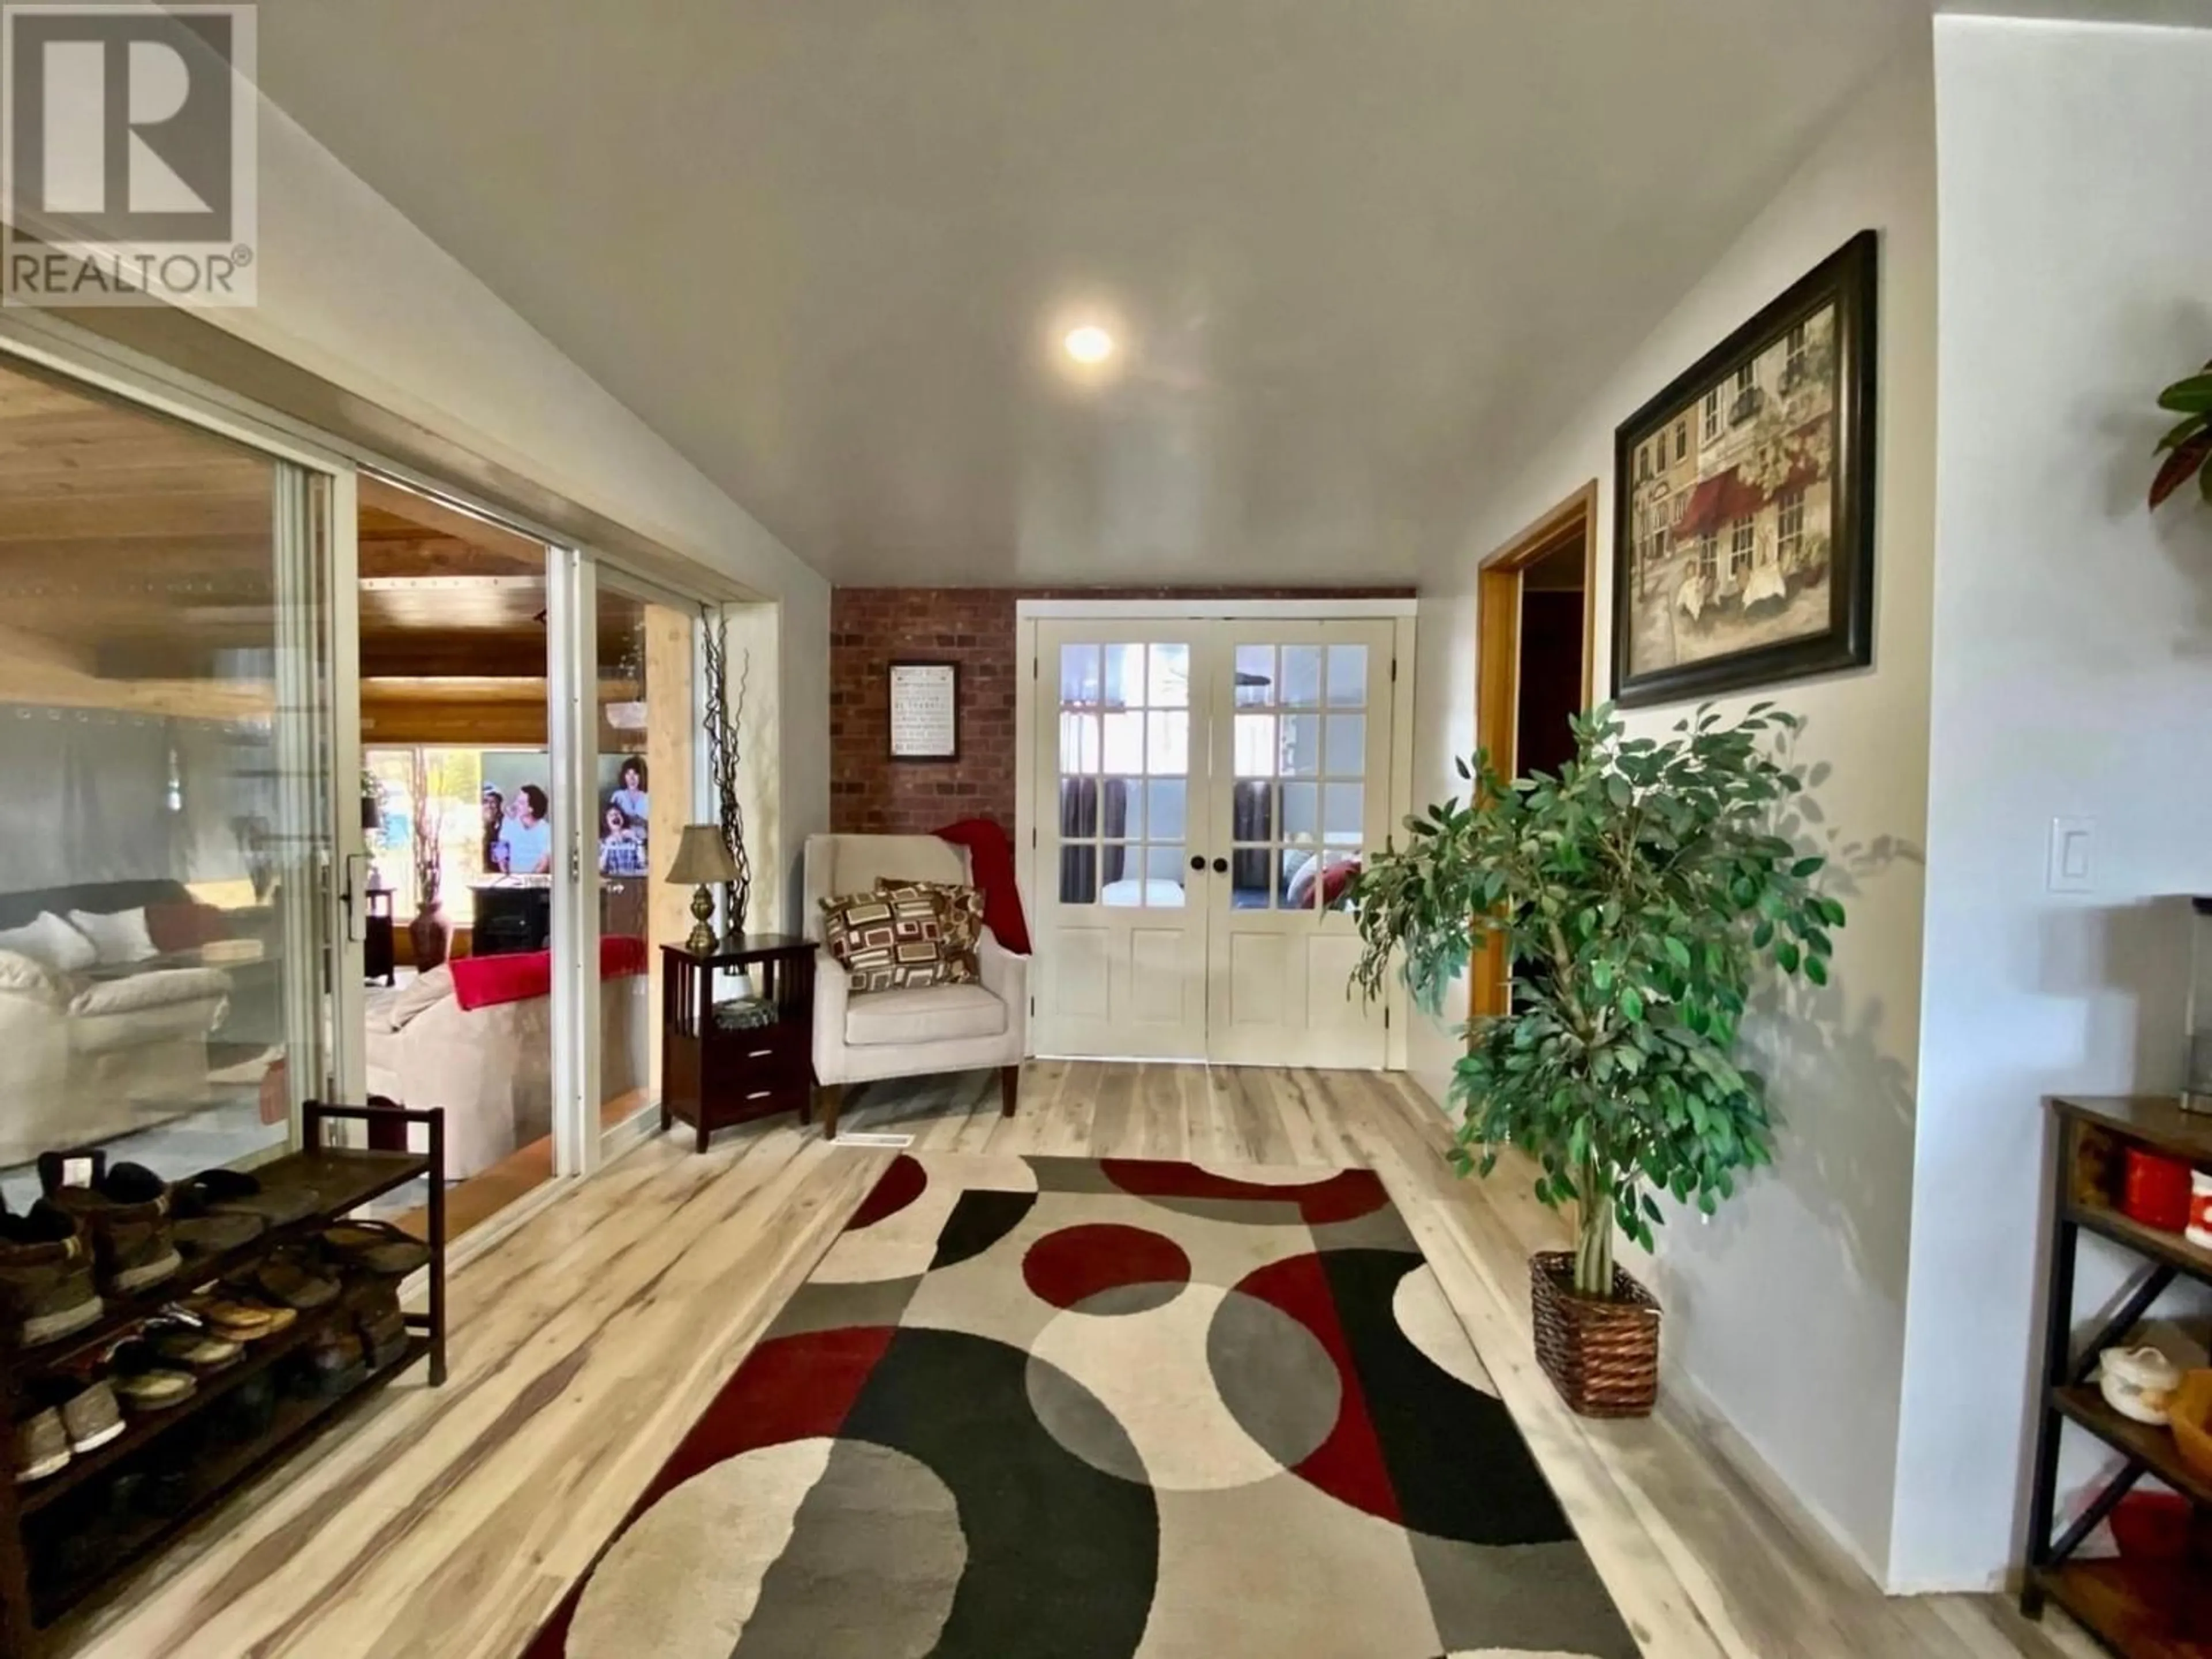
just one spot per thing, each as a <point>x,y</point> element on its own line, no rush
<point>886,942</point>
<point>959,918</point>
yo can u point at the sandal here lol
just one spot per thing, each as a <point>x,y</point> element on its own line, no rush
<point>195,1351</point>
<point>234,1318</point>
<point>376,1245</point>
<point>205,1236</point>
<point>143,1381</point>
<point>289,1278</point>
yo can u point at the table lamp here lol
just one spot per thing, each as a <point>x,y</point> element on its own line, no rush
<point>701,859</point>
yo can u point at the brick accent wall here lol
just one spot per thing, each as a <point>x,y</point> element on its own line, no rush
<point>871,628</point>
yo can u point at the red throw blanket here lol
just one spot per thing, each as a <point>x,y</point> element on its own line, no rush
<point>517,976</point>
<point>991,862</point>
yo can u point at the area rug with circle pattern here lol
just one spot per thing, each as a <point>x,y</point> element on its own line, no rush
<point>1102,1410</point>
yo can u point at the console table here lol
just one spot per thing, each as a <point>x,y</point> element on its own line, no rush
<point>2143,1610</point>
<point>715,1071</point>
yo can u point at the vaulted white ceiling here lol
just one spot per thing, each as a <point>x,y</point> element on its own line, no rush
<point>1356,253</point>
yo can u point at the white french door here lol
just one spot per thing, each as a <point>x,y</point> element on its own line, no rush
<point>1205,791</point>
<point>1121,967</point>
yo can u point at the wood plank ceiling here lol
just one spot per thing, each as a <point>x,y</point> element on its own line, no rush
<point>138,573</point>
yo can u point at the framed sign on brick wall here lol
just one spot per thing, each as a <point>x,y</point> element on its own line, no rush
<point>924,711</point>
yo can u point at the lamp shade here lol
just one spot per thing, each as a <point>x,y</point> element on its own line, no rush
<point>701,859</point>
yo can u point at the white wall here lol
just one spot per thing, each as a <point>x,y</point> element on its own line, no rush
<point>1788,1312</point>
<point>2073,652</point>
<point>352,291</point>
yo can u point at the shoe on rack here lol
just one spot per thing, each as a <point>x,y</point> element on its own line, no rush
<point>42,1446</point>
<point>290,1278</point>
<point>377,1246</point>
<point>46,1288</point>
<point>125,1207</point>
<point>144,1381</point>
<point>188,1348</point>
<point>231,1316</point>
<point>89,1413</point>
<point>335,1360</point>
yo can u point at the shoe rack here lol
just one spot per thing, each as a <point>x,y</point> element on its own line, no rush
<point>72,1539</point>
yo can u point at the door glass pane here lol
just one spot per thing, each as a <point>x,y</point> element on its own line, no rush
<point>1256,754</point>
<point>1301,746</point>
<point>1078,743</point>
<point>1118,804</point>
<point>1079,875</point>
<point>166,823</point>
<point>1347,745</point>
<point>1168,682</point>
<point>1301,676</point>
<point>1301,811</point>
<point>1165,808</point>
<point>1252,812</point>
<point>1251,878</point>
<point>1078,674</point>
<point>1341,806</point>
<point>1125,741</point>
<point>1125,677</point>
<point>1347,676</point>
<point>1167,747</point>
<point>1255,676</point>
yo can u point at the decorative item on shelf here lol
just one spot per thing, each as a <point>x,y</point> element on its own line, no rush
<point>1638,894</point>
<point>2200,1209</point>
<point>2189,1414</point>
<point>2138,1383</point>
<point>2188,446</point>
<point>701,859</point>
<point>426,933</point>
<point>2157,1190</point>
<point>725,707</point>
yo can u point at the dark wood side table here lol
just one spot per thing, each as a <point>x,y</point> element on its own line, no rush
<point>714,1073</point>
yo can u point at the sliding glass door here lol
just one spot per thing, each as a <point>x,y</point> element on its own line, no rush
<point>173,673</point>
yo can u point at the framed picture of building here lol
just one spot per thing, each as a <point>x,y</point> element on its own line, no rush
<point>1743,502</point>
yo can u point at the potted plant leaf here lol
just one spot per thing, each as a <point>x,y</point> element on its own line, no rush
<point>1637,894</point>
<point>2188,446</point>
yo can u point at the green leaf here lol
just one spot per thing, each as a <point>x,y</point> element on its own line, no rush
<point>2187,429</point>
<point>1808,866</point>
<point>1632,1004</point>
<point>1786,953</point>
<point>1678,952</point>
<point>1816,970</point>
<point>2192,395</point>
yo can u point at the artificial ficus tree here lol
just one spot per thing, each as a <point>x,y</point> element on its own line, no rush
<point>1638,894</point>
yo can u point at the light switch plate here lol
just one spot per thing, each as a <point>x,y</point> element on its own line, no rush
<point>2072,859</point>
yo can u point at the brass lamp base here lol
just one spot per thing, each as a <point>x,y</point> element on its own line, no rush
<point>703,915</point>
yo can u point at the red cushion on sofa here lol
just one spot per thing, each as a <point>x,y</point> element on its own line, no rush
<point>184,927</point>
<point>519,975</point>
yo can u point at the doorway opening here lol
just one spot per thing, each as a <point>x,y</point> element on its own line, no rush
<point>1535,667</point>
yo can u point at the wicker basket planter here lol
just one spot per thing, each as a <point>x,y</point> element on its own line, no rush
<point>1602,1357</point>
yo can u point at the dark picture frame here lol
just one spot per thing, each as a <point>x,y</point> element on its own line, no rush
<point>1743,540</point>
<point>891,673</point>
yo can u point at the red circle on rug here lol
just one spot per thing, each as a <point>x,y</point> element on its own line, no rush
<point>902,1183</point>
<point>1076,1263</point>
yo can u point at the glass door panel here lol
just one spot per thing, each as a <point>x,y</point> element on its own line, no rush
<point>1118,753</point>
<point>1305,706</point>
<point>646,778</point>
<point>167,845</point>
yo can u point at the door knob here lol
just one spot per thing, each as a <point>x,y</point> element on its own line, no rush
<point>1197,860</point>
<point>1220,867</point>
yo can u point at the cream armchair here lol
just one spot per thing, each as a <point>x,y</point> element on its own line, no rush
<point>936,1028</point>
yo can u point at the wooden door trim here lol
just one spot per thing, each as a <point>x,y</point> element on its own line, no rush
<point>1498,666</point>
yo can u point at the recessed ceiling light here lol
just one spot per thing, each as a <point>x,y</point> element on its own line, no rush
<point>1089,343</point>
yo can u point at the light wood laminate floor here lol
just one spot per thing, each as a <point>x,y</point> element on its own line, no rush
<point>449,1521</point>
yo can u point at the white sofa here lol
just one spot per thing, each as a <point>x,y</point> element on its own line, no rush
<point>908,1033</point>
<point>491,1068</point>
<point>86,1058</point>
